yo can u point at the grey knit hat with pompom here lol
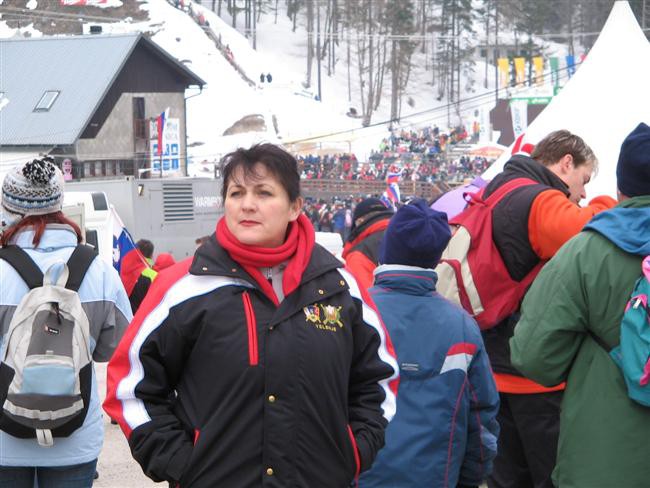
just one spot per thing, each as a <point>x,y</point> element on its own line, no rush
<point>35,188</point>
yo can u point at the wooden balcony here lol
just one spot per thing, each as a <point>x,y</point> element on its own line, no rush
<point>360,188</point>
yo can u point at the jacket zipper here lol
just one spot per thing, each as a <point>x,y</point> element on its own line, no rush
<point>355,450</point>
<point>251,324</point>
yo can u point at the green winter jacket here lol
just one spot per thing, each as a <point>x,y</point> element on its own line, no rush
<point>604,436</point>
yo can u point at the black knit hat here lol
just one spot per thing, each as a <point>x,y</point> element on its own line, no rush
<point>367,206</point>
<point>633,168</point>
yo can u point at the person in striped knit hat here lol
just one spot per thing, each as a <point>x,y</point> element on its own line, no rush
<point>32,220</point>
<point>35,188</point>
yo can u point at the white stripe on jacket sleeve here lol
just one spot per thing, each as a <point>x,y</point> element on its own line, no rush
<point>190,286</point>
<point>371,318</point>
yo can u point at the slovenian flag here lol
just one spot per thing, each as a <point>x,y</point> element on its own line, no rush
<point>393,175</point>
<point>160,125</point>
<point>122,240</point>
<point>393,193</point>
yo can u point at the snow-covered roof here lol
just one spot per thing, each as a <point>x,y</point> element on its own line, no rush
<point>51,86</point>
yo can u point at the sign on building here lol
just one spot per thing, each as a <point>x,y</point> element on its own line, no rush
<point>171,146</point>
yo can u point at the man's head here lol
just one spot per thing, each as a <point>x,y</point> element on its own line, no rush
<point>570,158</point>
<point>416,236</point>
<point>367,209</point>
<point>146,248</point>
<point>633,168</point>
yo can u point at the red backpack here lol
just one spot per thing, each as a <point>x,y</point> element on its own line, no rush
<point>471,272</point>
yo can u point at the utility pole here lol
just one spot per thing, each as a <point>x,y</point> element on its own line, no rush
<point>320,96</point>
<point>496,52</point>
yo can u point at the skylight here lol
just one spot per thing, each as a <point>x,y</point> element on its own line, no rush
<point>46,101</point>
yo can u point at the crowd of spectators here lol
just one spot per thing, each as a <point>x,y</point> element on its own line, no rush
<point>418,155</point>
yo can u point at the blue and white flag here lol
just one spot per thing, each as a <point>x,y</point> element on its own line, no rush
<point>122,240</point>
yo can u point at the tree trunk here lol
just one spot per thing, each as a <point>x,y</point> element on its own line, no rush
<point>369,105</point>
<point>310,41</point>
<point>349,80</point>
<point>381,72</point>
<point>394,82</point>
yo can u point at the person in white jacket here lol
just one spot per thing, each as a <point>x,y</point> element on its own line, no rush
<point>32,196</point>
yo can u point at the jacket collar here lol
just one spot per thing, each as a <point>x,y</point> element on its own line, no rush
<point>55,236</point>
<point>520,166</point>
<point>358,232</point>
<point>411,280</point>
<point>365,230</point>
<point>212,259</point>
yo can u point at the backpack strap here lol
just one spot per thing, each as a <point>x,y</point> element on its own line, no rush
<point>78,264</point>
<point>23,264</point>
<point>496,196</point>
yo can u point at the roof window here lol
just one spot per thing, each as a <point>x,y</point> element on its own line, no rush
<point>46,101</point>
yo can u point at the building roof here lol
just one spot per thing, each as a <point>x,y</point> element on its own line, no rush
<point>80,68</point>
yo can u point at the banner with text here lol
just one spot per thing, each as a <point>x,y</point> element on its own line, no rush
<point>170,150</point>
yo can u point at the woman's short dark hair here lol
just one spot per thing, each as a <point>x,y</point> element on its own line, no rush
<point>282,165</point>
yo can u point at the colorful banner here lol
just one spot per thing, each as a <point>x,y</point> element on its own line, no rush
<point>520,71</point>
<point>167,151</point>
<point>504,71</point>
<point>519,112</point>
<point>570,65</point>
<point>538,63</point>
<point>555,65</point>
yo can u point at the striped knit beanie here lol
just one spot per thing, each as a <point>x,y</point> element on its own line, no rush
<point>35,188</point>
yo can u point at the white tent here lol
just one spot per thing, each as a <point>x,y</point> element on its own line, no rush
<point>607,97</point>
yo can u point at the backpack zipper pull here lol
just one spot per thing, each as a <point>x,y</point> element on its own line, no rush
<point>637,303</point>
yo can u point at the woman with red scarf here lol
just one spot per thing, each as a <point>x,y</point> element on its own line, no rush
<point>258,362</point>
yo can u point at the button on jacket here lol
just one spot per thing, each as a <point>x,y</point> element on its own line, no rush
<point>216,386</point>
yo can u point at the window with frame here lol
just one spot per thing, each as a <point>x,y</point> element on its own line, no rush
<point>46,101</point>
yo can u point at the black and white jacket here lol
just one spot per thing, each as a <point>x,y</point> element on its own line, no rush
<point>216,386</point>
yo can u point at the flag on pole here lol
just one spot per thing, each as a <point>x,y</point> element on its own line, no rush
<point>393,175</point>
<point>555,66</point>
<point>538,62</point>
<point>570,65</point>
<point>160,126</point>
<point>504,71</point>
<point>520,70</point>
<point>122,240</point>
<point>393,193</point>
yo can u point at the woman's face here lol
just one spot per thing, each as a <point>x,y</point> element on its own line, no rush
<point>257,209</point>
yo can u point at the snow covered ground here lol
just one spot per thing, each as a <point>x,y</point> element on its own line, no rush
<point>227,97</point>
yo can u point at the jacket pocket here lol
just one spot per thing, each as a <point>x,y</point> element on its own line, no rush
<point>355,451</point>
<point>251,326</point>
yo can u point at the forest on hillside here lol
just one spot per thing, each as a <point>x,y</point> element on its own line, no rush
<point>377,43</point>
<point>375,40</point>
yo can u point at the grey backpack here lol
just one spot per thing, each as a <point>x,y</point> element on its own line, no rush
<point>46,368</point>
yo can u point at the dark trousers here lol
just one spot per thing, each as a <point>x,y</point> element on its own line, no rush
<point>74,476</point>
<point>527,450</point>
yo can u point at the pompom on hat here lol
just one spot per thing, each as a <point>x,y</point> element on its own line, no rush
<point>416,236</point>
<point>35,188</point>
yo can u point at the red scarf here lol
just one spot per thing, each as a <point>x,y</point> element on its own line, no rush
<point>296,249</point>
